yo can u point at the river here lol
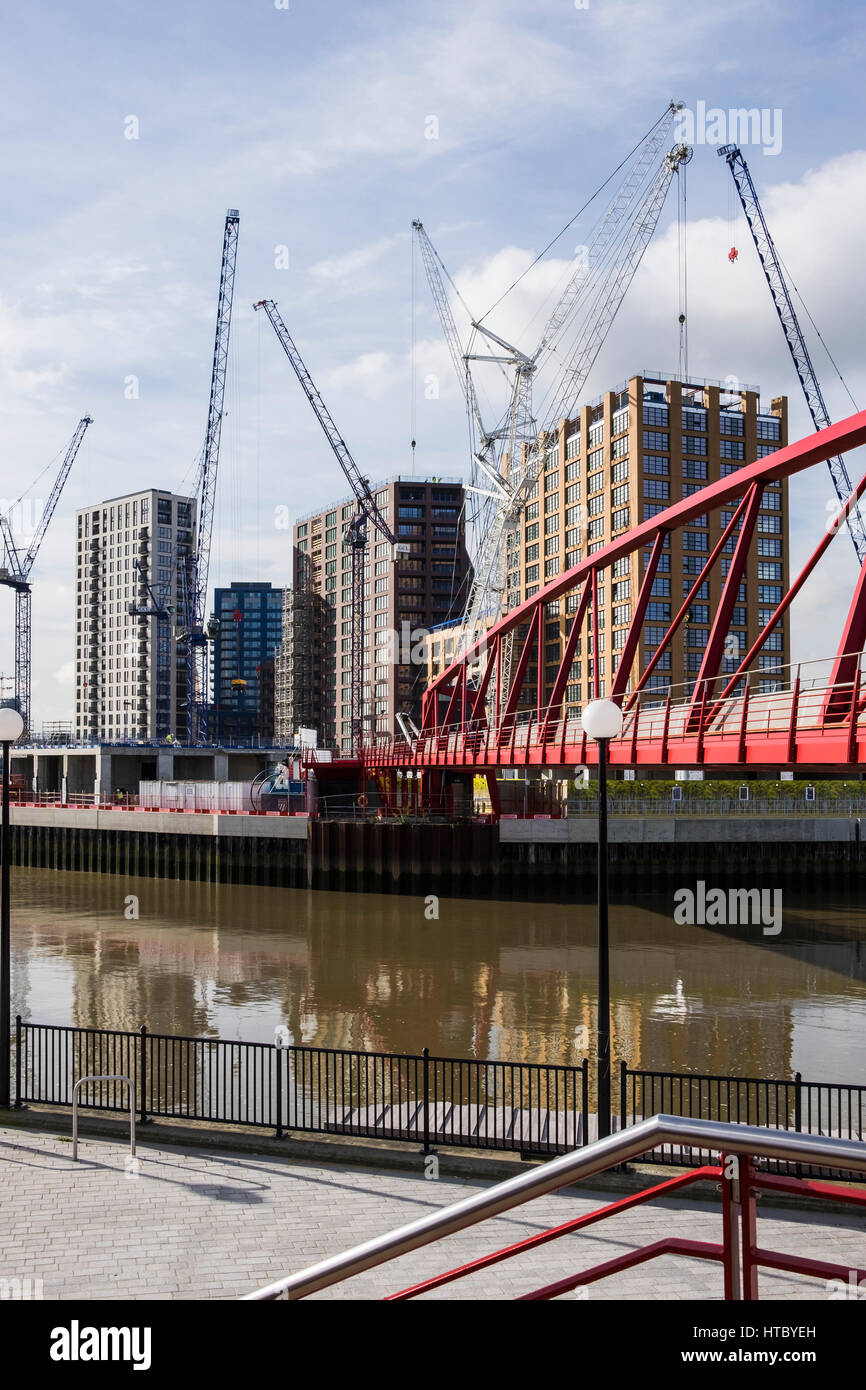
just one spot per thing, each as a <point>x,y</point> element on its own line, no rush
<point>484,979</point>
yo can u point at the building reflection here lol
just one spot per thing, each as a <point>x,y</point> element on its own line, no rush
<point>487,979</point>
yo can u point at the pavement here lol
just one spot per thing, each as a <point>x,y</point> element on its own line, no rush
<point>182,1223</point>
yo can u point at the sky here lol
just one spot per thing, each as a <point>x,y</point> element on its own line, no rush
<point>128,130</point>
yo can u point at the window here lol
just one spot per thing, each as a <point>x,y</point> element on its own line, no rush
<point>621,590</point>
<point>532,574</point>
<point>769,524</point>
<point>731,422</point>
<point>620,420</point>
<point>694,468</point>
<point>532,532</point>
<point>619,520</point>
<point>595,460</point>
<point>572,493</point>
<point>531,553</point>
<point>693,564</point>
<point>572,471</point>
<point>661,587</point>
<point>595,529</point>
<point>596,505</point>
<point>619,448</point>
<point>731,448</point>
<point>655,414</point>
<point>596,433</point>
<point>774,641</point>
<point>694,444</point>
<point>703,591</point>
<point>764,449</point>
<point>658,612</point>
<point>551,524</point>
<point>619,496</point>
<point>695,540</point>
<point>595,482</point>
<point>770,593</point>
<point>771,502</point>
<point>766,570</point>
<point>654,463</point>
<point>551,481</point>
<point>572,446</point>
<point>619,471</point>
<point>652,439</point>
<point>769,428</point>
<point>768,545</point>
<point>651,509</point>
<point>656,487</point>
<point>694,418</point>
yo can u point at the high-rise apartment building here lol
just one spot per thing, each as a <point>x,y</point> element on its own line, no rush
<point>130,670</point>
<point>621,460</point>
<point>405,595</point>
<point>250,627</point>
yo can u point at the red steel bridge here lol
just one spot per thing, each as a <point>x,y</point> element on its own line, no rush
<point>814,721</point>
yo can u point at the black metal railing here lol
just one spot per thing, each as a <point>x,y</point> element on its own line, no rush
<point>812,1107</point>
<point>417,1098</point>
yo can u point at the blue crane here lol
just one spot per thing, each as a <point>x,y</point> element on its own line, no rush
<point>194,567</point>
<point>775,278</point>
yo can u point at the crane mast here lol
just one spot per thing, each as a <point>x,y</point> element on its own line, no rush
<point>784,306</point>
<point>196,567</point>
<point>601,307</point>
<point>355,536</point>
<point>17,569</point>
<point>600,278</point>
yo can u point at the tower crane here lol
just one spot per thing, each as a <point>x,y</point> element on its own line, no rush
<point>17,569</point>
<point>355,535</point>
<point>596,288</point>
<point>784,305</point>
<point>194,632</point>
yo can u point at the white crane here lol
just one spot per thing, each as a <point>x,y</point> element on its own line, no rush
<point>509,457</point>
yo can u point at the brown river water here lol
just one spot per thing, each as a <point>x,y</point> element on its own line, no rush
<point>486,979</point>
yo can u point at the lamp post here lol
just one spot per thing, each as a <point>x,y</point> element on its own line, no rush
<point>11,729</point>
<point>602,721</point>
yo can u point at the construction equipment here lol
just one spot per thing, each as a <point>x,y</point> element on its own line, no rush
<point>193,632</point>
<point>355,534</point>
<point>510,456</point>
<point>774,275</point>
<point>17,569</point>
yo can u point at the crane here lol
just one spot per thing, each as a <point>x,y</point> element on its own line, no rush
<point>597,285</point>
<point>772,268</point>
<point>355,535</point>
<point>193,631</point>
<point>17,568</point>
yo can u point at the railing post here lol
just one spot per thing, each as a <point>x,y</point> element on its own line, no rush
<point>142,1072</point>
<point>749,1228</point>
<point>279,1052</point>
<point>798,1112</point>
<point>730,1223</point>
<point>623,1084</point>
<point>17,1061</point>
<point>584,1100</point>
<point>426,1087</point>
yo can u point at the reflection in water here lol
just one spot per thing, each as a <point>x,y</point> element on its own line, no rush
<point>497,979</point>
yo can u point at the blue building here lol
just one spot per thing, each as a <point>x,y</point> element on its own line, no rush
<point>250,627</point>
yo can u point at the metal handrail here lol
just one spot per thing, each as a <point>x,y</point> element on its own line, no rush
<point>111,1077</point>
<point>749,1140</point>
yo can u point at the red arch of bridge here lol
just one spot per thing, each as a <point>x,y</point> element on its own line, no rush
<point>711,725</point>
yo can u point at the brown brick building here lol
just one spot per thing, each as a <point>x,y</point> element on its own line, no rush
<point>624,458</point>
<point>405,596</point>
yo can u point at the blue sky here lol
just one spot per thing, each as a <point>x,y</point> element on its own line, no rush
<point>312,121</point>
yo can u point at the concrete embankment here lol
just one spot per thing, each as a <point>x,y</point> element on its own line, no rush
<point>516,858</point>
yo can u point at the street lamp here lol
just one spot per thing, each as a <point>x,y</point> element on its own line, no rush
<point>602,721</point>
<point>11,729</point>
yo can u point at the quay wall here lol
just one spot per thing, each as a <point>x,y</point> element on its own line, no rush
<point>531,859</point>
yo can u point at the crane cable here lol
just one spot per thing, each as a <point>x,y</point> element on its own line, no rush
<point>573,219</point>
<point>683,273</point>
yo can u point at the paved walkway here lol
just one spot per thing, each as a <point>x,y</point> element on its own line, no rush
<point>205,1225</point>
